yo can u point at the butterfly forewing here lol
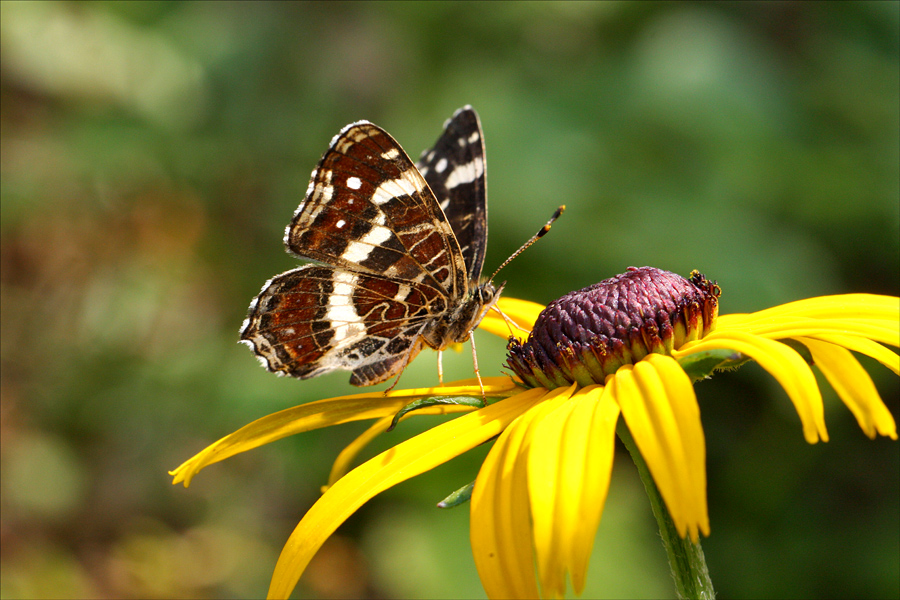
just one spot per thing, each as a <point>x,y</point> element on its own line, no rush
<point>368,208</point>
<point>394,277</point>
<point>455,170</point>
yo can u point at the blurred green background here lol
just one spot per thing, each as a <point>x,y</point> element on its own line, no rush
<point>152,154</point>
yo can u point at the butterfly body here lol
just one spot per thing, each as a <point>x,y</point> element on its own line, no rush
<point>399,249</point>
<point>456,326</point>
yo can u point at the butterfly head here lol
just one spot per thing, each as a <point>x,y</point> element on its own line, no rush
<point>483,297</point>
<point>456,326</point>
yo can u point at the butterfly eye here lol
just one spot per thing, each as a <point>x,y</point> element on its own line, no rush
<point>486,293</point>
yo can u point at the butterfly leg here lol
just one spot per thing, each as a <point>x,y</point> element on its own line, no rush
<point>440,354</point>
<point>509,322</point>
<point>477,373</point>
<point>396,380</point>
<point>410,354</point>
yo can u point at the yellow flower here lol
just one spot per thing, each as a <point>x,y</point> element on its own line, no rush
<point>539,496</point>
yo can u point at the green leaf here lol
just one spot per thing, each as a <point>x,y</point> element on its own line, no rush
<point>434,401</point>
<point>702,364</point>
<point>460,496</point>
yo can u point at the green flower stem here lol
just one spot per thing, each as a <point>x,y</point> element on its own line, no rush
<point>686,559</point>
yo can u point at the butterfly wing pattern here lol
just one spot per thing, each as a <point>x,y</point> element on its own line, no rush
<point>390,275</point>
<point>454,170</point>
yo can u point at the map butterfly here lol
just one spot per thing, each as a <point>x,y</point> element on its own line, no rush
<point>398,250</point>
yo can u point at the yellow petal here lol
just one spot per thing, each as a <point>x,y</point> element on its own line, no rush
<point>522,312</point>
<point>864,346</point>
<point>499,529</point>
<point>843,306</point>
<point>500,518</point>
<point>598,464</point>
<point>784,364</point>
<point>345,458</point>
<point>854,386</point>
<point>543,445</point>
<point>868,315</point>
<point>494,387</point>
<point>661,411</point>
<point>570,463</point>
<point>324,413</point>
<point>408,459</point>
<point>779,327</point>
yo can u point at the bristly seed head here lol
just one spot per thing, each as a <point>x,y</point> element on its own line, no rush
<point>586,335</point>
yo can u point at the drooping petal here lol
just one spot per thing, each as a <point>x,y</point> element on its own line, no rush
<point>407,459</point>
<point>842,307</point>
<point>499,522</point>
<point>854,386</point>
<point>500,518</point>
<point>345,458</point>
<point>783,363</point>
<point>324,413</point>
<point>549,515</point>
<point>522,312</point>
<point>570,463</point>
<point>864,346</point>
<point>599,449</point>
<point>661,411</point>
<point>792,326</point>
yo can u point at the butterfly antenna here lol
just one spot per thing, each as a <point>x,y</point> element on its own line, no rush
<point>533,239</point>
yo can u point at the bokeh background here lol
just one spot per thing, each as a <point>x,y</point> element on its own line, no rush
<point>152,154</point>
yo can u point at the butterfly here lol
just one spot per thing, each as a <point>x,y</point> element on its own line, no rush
<point>398,250</point>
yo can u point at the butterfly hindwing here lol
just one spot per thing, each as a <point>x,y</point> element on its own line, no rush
<point>315,319</point>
